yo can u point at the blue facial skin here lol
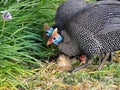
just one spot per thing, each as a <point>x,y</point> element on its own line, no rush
<point>57,40</point>
<point>49,32</point>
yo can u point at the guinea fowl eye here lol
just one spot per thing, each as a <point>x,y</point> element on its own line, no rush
<point>54,38</point>
<point>46,31</point>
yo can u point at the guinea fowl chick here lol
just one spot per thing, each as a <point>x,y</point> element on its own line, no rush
<point>64,63</point>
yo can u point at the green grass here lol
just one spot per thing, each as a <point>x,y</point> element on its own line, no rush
<point>22,43</point>
<point>23,46</point>
<point>49,78</point>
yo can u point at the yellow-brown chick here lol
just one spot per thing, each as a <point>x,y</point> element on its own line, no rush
<point>63,63</point>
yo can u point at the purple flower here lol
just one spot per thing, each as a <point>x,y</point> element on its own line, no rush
<point>6,15</point>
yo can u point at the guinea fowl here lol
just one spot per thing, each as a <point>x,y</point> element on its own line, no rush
<point>65,12</point>
<point>94,30</point>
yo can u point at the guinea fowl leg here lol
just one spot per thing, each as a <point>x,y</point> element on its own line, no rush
<point>101,56</point>
<point>82,66</point>
<point>103,61</point>
<point>110,58</point>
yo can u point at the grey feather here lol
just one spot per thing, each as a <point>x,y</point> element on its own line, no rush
<point>68,46</point>
<point>110,38</point>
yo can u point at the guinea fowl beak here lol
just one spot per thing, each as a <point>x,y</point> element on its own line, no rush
<point>49,41</point>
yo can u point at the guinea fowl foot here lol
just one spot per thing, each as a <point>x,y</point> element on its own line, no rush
<point>82,66</point>
<point>83,58</point>
<point>107,56</point>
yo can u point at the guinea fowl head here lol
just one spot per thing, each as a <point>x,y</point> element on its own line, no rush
<point>55,38</point>
<point>48,30</point>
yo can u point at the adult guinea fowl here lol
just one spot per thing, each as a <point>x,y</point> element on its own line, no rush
<point>94,30</point>
<point>64,13</point>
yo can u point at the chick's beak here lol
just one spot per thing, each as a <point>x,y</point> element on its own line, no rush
<point>50,41</point>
